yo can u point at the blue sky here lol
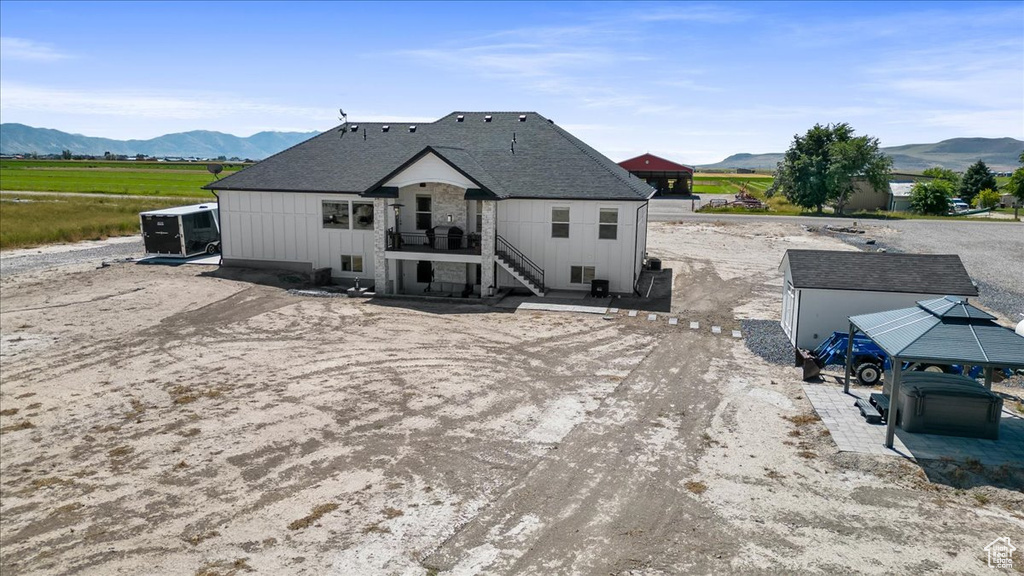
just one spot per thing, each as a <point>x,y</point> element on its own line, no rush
<point>693,82</point>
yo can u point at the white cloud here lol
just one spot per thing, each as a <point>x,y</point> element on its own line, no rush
<point>23,49</point>
<point>145,104</point>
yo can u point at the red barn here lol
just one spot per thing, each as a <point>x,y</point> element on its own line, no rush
<point>664,175</point>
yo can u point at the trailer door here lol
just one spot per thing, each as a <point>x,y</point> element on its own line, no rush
<point>161,235</point>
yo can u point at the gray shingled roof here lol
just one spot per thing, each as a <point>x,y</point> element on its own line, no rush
<point>938,332</point>
<point>880,272</point>
<point>548,161</point>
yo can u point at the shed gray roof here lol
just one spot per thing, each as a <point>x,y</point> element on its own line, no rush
<point>548,162</point>
<point>945,331</point>
<point>879,272</point>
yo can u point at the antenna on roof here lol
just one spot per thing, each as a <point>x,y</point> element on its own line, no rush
<point>344,122</point>
<point>215,169</point>
<point>512,147</point>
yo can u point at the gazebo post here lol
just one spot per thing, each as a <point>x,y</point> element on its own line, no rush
<point>849,360</point>
<point>988,377</point>
<point>894,401</point>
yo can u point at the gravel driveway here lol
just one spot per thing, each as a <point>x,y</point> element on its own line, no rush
<point>93,252</point>
<point>992,252</point>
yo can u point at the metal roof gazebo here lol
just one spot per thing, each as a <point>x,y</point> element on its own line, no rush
<point>941,331</point>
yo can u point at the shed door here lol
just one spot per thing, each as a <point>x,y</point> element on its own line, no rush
<point>789,310</point>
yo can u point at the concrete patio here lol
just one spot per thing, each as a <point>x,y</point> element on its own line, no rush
<point>852,433</point>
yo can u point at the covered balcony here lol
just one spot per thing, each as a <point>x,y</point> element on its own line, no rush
<point>436,240</point>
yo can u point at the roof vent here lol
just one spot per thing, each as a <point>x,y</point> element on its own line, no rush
<point>355,128</point>
<point>487,118</point>
<point>412,129</point>
<point>385,128</point>
<point>522,117</point>
<point>460,118</point>
<point>550,121</point>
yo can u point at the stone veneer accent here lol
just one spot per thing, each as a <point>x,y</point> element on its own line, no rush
<point>380,230</point>
<point>447,199</point>
<point>489,220</point>
<point>451,272</point>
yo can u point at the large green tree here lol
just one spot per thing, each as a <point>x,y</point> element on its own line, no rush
<point>977,178</point>
<point>931,197</point>
<point>820,166</point>
<point>1016,185</point>
<point>940,173</point>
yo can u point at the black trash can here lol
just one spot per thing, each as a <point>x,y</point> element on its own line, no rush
<point>599,288</point>
<point>654,263</point>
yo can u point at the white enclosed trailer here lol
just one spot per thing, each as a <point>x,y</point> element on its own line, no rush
<point>182,231</point>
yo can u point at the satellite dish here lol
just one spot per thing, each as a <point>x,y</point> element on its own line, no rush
<point>215,169</point>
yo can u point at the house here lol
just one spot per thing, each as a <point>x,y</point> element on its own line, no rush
<point>1008,201</point>
<point>821,289</point>
<point>470,203</point>
<point>665,176</point>
<point>895,196</point>
<point>899,196</point>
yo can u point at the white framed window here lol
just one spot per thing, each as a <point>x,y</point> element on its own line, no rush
<point>351,263</point>
<point>581,274</point>
<point>423,213</point>
<point>559,222</point>
<point>336,214</point>
<point>608,224</point>
<point>362,215</point>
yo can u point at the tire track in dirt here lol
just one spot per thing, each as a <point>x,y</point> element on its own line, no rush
<point>609,500</point>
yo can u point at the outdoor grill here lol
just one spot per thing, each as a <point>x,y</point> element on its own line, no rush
<point>445,237</point>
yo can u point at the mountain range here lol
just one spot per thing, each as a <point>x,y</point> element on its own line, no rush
<point>22,139</point>
<point>1000,154</point>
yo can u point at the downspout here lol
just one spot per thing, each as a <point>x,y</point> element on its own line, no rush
<point>636,241</point>
<point>220,230</point>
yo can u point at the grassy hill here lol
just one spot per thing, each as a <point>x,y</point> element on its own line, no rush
<point>957,154</point>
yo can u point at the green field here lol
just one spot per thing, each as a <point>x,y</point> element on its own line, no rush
<point>44,219</point>
<point>731,184</point>
<point>133,178</point>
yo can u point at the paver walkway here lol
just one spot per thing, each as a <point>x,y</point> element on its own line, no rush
<point>852,433</point>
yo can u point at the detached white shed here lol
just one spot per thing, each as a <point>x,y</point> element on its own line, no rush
<point>821,289</point>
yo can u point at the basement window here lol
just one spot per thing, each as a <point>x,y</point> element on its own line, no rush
<point>608,224</point>
<point>336,215</point>
<point>581,274</point>
<point>351,263</point>
<point>559,222</point>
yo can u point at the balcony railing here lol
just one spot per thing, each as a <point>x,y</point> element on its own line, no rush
<point>430,242</point>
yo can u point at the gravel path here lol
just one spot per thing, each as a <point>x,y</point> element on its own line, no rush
<point>93,252</point>
<point>993,254</point>
<point>766,339</point>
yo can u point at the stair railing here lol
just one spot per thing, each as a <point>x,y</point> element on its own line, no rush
<point>520,262</point>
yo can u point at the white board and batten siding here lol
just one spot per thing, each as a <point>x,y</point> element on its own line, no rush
<point>526,224</point>
<point>287,228</point>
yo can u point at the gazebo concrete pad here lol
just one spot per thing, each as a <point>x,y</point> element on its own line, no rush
<point>852,433</point>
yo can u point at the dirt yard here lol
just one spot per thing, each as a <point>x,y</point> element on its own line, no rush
<point>158,420</point>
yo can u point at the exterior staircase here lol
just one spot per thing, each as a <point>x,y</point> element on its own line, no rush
<point>519,266</point>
